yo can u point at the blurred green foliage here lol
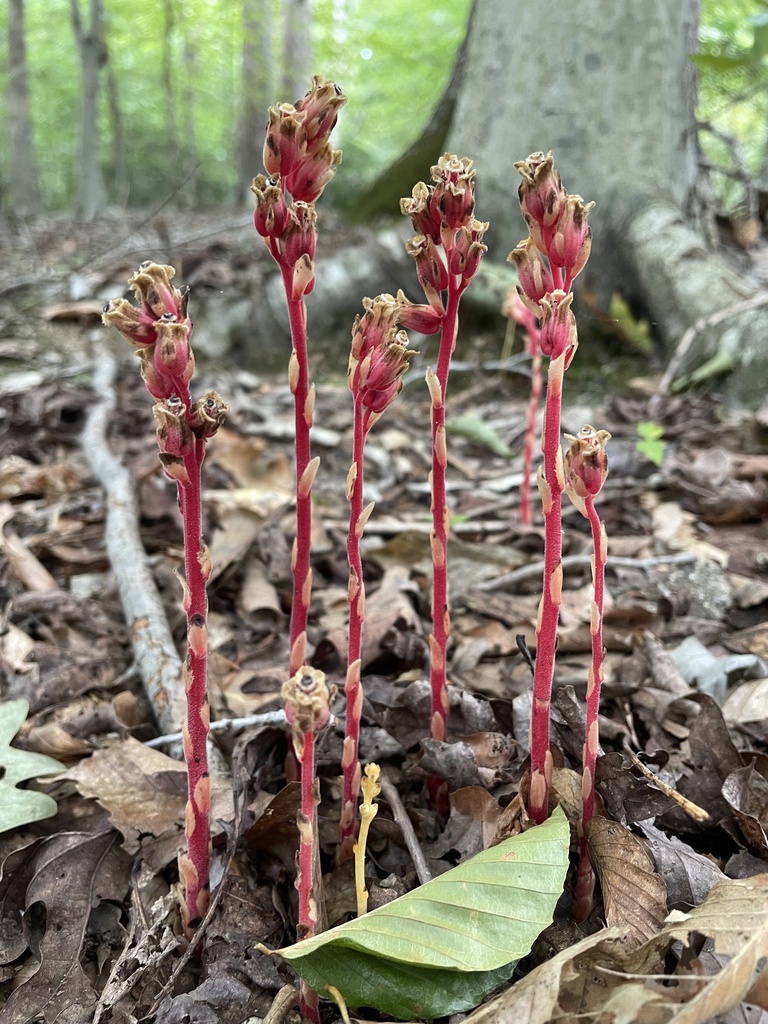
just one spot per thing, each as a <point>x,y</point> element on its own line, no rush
<point>733,87</point>
<point>393,58</point>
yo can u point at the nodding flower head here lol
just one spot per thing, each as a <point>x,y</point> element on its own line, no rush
<point>533,274</point>
<point>541,194</point>
<point>157,299</point>
<point>381,372</point>
<point>377,322</point>
<point>320,107</point>
<point>453,194</point>
<point>307,704</point>
<point>586,461</point>
<point>558,325</point>
<point>572,241</point>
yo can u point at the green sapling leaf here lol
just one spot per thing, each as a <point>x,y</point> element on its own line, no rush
<point>21,806</point>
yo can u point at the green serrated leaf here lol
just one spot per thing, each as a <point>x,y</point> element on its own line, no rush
<point>476,429</point>
<point>21,806</point>
<point>442,947</point>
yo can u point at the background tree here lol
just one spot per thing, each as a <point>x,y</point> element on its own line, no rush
<point>612,91</point>
<point>297,49</point>
<point>257,89</point>
<point>91,192</point>
<point>25,195</point>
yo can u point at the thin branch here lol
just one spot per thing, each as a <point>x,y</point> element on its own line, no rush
<point>157,660</point>
<point>400,815</point>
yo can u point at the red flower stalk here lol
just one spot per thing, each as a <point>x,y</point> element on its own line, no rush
<point>516,310</point>
<point>300,162</point>
<point>548,261</point>
<point>307,708</point>
<point>377,362</point>
<point>160,326</point>
<point>447,250</point>
<point>586,467</point>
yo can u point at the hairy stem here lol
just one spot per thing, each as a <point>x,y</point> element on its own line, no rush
<point>441,623</point>
<point>303,397</point>
<point>551,484</point>
<point>350,764</point>
<point>585,882</point>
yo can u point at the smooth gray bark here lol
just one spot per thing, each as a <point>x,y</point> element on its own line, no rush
<point>297,49</point>
<point>25,195</point>
<point>257,89</point>
<point>91,191</point>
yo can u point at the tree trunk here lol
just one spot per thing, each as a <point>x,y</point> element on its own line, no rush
<point>120,182</point>
<point>25,196</point>
<point>91,193</point>
<point>256,91</point>
<point>297,49</point>
<point>608,86</point>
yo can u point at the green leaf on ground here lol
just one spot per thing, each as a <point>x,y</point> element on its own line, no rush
<point>476,429</point>
<point>441,948</point>
<point>21,806</point>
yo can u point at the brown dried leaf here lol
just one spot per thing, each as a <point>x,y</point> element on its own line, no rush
<point>688,876</point>
<point>633,893</point>
<point>747,794</point>
<point>71,874</point>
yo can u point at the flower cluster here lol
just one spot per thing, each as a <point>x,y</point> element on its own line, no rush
<point>379,355</point>
<point>160,329</point>
<point>442,214</point>
<point>555,252</point>
<point>299,162</point>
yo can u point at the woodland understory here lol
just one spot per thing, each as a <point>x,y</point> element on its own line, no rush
<point>89,896</point>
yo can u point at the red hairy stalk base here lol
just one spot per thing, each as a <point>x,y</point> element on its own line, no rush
<point>530,425</point>
<point>307,710</point>
<point>551,484</point>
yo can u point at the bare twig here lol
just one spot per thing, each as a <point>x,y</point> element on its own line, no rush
<point>267,718</point>
<point>156,657</point>
<point>532,571</point>
<point>691,809</point>
<point>401,817</point>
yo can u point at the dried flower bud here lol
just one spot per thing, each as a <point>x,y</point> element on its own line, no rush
<point>533,274</point>
<point>453,197</point>
<point>320,107</point>
<point>172,354</point>
<point>379,320</point>
<point>558,324</point>
<point>153,288</point>
<point>307,701</point>
<point>159,385</point>
<point>271,213</point>
<point>422,318</point>
<point>300,234</point>
<point>310,176</point>
<point>418,208</point>
<point>572,240</point>
<point>541,194</point>
<point>586,462</point>
<point>173,433</point>
<point>382,370</point>
<point>286,140</point>
<point>136,325</point>
<point>430,268</point>
<point>207,415</point>
<point>468,250</point>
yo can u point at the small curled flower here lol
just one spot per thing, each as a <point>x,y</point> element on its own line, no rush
<point>586,462</point>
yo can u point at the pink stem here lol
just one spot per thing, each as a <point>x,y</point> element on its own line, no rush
<point>303,398</point>
<point>532,332</point>
<point>305,880</point>
<point>551,485</point>
<point>585,881</point>
<point>441,623</point>
<point>197,569</point>
<point>356,593</point>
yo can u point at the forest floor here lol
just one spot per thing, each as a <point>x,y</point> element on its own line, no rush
<point>89,895</point>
